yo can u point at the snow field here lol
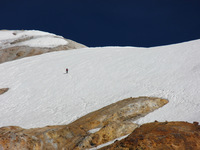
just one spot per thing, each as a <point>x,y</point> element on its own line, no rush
<point>42,94</point>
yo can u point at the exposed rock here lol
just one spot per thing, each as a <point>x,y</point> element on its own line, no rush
<point>161,136</point>
<point>3,90</point>
<point>119,116</point>
<point>113,121</point>
<point>16,46</point>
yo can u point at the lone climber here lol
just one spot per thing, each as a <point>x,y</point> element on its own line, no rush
<point>66,70</point>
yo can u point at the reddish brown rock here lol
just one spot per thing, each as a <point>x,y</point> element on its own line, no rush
<point>161,136</point>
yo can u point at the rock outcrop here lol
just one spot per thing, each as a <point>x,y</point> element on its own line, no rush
<point>3,90</point>
<point>93,129</point>
<point>161,136</point>
<point>16,44</point>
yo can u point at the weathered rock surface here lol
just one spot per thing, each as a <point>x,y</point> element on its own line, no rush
<point>3,90</point>
<point>20,44</point>
<point>113,121</point>
<point>161,136</point>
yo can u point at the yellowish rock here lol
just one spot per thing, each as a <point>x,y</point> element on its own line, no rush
<point>113,121</point>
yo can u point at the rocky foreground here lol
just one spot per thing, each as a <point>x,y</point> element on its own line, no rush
<point>16,44</point>
<point>94,129</point>
<point>161,136</point>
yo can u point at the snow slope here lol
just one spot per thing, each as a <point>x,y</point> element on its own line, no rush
<point>32,38</point>
<point>42,94</point>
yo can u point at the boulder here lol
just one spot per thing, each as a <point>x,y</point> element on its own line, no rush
<point>91,130</point>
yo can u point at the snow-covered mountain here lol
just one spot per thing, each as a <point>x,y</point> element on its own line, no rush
<point>15,44</point>
<point>34,38</point>
<point>41,93</point>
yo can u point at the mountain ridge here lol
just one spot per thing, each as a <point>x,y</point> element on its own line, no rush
<point>16,44</point>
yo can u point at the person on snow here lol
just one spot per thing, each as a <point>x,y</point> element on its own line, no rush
<point>66,70</point>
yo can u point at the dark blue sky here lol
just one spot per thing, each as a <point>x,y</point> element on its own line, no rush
<point>142,23</point>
